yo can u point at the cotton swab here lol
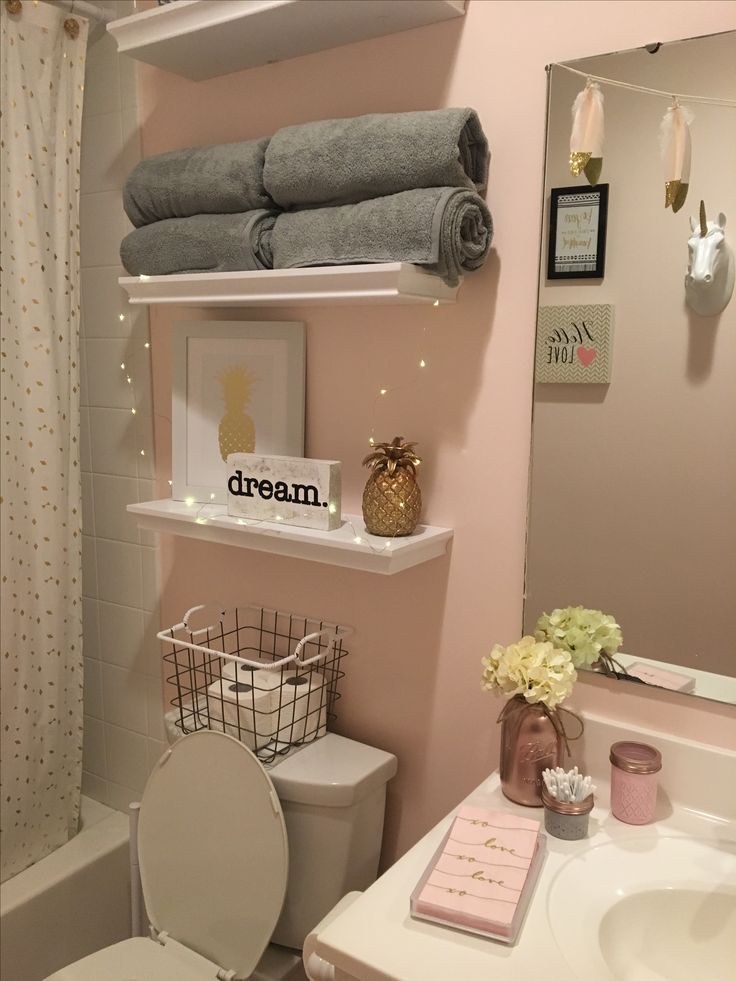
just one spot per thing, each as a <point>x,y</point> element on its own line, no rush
<point>568,787</point>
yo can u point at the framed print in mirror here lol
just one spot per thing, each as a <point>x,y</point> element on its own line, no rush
<point>238,387</point>
<point>577,232</point>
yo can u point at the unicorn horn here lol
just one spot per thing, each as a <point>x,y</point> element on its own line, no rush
<point>703,222</point>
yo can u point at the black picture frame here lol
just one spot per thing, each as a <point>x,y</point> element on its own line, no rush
<point>571,205</point>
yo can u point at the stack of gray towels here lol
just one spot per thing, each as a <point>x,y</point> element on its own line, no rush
<point>398,187</point>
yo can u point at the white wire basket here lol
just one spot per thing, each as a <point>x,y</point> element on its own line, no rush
<point>267,677</point>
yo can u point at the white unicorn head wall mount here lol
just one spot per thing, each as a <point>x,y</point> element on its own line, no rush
<point>710,273</point>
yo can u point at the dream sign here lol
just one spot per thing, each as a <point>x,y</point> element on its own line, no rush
<point>574,344</point>
<point>291,489</point>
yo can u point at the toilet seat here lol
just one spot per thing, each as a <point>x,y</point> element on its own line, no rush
<point>213,857</point>
<point>137,959</point>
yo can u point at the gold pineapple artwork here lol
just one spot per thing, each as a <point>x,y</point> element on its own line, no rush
<point>392,501</point>
<point>237,431</point>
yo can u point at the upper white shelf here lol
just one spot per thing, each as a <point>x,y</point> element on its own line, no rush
<point>349,546</point>
<point>386,282</point>
<point>198,39</point>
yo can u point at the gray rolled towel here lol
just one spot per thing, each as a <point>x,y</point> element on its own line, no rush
<point>202,243</point>
<point>202,180</point>
<point>342,161</point>
<point>446,229</point>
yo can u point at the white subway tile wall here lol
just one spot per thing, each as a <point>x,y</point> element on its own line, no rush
<point>93,688</point>
<point>123,732</point>
<point>91,627</point>
<point>113,440</point>
<point>85,448</point>
<point>111,495</point>
<point>126,757</point>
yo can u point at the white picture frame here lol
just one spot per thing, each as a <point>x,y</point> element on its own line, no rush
<point>237,386</point>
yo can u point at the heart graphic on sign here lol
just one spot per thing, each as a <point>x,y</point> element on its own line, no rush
<point>586,355</point>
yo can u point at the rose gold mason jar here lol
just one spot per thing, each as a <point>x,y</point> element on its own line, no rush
<point>530,743</point>
<point>634,769</point>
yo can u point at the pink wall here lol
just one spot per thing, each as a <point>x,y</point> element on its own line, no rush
<point>412,684</point>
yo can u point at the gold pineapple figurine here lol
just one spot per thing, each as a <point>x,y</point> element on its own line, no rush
<point>237,431</point>
<point>392,501</point>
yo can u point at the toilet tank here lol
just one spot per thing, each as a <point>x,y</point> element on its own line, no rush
<point>333,795</point>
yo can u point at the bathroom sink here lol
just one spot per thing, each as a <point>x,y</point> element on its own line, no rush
<point>648,908</point>
<point>649,903</point>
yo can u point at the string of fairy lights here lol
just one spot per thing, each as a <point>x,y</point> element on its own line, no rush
<point>201,516</point>
<point>124,368</point>
<point>378,399</point>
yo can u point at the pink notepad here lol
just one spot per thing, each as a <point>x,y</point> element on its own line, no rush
<point>673,680</point>
<point>483,874</point>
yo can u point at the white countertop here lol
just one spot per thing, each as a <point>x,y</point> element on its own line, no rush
<point>719,687</point>
<point>375,939</point>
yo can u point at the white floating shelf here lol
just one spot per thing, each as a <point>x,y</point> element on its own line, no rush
<point>380,283</point>
<point>349,546</point>
<point>201,39</point>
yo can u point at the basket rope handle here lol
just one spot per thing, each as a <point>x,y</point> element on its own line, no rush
<point>333,635</point>
<point>332,644</point>
<point>167,636</point>
<point>203,606</point>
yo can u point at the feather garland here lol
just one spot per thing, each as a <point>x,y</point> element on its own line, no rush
<point>676,149</point>
<point>586,138</point>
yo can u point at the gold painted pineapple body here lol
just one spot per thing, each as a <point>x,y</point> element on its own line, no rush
<point>236,432</point>
<point>392,501</point>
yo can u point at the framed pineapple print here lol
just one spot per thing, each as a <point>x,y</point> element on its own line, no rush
<point>238,387</point>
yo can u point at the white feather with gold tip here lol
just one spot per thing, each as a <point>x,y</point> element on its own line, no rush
<point>586,139</point>
<point>676,149</point>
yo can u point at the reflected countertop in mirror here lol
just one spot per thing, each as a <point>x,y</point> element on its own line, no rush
<point>633,483</point>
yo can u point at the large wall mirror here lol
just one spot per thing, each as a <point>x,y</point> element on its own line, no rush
<point>633,481</point>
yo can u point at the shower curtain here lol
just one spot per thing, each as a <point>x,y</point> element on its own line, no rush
<point>41,628</point>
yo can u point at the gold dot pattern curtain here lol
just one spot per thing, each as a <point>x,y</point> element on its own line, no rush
<point>40,130</point>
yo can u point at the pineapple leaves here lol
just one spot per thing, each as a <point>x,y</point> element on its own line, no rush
<point>393,456</point>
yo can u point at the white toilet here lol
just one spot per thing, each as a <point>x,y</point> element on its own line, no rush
<point>232,858</point>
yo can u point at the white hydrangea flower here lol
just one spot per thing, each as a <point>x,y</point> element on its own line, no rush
<point>537,670</point>
<point>584,633</point>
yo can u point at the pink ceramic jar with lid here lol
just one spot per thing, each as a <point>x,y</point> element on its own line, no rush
<point>634,769</point>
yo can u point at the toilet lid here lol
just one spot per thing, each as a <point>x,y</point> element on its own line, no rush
<point>213,851</point>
